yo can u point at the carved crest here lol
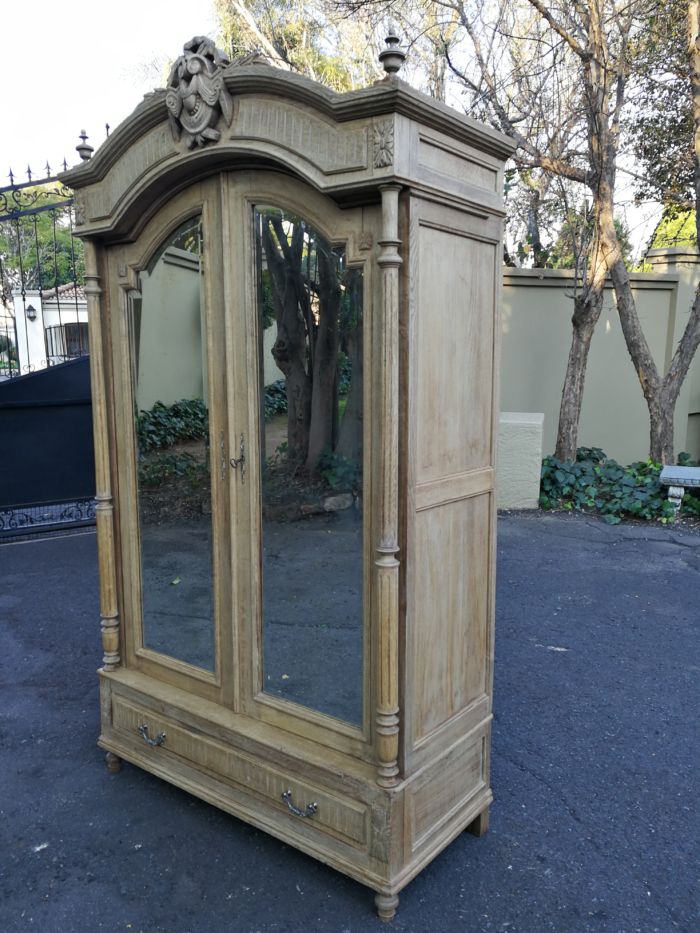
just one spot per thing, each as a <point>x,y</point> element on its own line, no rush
<point>383,144</point>
<point>196,96</point>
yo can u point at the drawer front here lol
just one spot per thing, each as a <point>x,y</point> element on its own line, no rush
<point>346,819</point>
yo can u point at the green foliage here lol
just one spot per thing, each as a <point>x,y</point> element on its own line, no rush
<point>162,468</point>
<point>39,250</point>
<point>275,401</point>
<point>660,125</point>
<point>676,228</point>
<point>163,425</point>
<point>595,483</point>
<point>7,346</point>
<point>338,471</point>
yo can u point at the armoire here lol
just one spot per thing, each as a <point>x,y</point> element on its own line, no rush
<point>293,301</point>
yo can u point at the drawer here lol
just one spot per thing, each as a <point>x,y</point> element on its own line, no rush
<point>343,818</point>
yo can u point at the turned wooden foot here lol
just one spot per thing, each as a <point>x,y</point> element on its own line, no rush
<point>386,906</point>
<point>113,762</point>
<point>480,825</point>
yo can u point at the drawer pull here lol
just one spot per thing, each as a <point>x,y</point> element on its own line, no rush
<point>307,811</point>
<point>159,739</point>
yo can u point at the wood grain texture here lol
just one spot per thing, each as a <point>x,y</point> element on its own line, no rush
<point>425,227</point>
<point>104,508</point>
<point>451,603</point>
<point>387,719</point>
<point>454,335</point>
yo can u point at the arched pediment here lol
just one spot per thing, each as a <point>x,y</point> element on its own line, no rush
<point>343,144</point>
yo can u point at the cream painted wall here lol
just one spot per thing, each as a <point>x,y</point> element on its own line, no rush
<point>537,307</point>
<point>172,363</point>
<point>536,322</point>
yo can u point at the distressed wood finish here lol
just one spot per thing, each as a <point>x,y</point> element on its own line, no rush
<point>389,261</point>
<point>104,510</point>
<point>411,191</point>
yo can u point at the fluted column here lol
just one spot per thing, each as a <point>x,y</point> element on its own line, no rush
<point>387,718</point>
<point>104,511</point>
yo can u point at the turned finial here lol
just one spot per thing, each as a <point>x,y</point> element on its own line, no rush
<point>393,56</point>
<point>84,150</point>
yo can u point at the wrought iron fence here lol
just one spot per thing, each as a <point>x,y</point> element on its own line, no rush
<point>43,319</point>
<point>47,480</point>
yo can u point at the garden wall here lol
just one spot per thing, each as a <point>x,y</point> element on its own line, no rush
<point>537,308</point>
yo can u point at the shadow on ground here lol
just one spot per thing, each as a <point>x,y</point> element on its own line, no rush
<point>595,758</point>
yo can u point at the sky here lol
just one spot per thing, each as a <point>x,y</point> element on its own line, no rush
<point>78,64</point>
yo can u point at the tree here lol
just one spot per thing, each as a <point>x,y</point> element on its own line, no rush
<point>37,247</point>
<point>556,76</point>
<point>661,128</point>
<point>316,302</point>
<point>310,38</point>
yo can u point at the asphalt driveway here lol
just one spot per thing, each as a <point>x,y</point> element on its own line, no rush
<point>596,757</point>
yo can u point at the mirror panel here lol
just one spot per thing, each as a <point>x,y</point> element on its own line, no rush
<point>311,437</point>
<point>169,354</point>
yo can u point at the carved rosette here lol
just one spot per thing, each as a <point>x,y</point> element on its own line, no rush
<point>196,96</point>
<point>79,208</point>
<point>383,144</point>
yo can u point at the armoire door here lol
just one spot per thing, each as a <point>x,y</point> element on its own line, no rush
<point>299,298</point>
<point>172,448</point>
<point>242,330</point>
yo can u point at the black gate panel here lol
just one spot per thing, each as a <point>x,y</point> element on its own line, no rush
<point>46,453</point>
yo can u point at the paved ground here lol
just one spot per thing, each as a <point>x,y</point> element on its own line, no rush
<point>596,757</point>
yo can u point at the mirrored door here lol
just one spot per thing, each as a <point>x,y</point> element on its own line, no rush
<point>305,291</point>
<point>172,450</point>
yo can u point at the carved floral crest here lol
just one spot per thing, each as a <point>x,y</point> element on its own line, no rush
<point>197,96</point>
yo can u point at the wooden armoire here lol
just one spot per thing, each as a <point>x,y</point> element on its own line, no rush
<point>293,301</point>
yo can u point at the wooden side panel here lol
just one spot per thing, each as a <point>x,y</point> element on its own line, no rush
<point>444,788</point>
<point>451,622</point>
<point>450,447</point>
<point>454,340</point>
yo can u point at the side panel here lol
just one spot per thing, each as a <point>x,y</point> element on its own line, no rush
<point>450,444</point>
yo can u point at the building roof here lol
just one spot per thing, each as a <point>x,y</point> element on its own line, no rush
<point>69,292</point>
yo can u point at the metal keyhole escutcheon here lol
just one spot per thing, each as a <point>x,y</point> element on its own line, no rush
<point>237,462</point>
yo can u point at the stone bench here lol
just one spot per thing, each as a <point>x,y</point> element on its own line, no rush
<point>678,479</point>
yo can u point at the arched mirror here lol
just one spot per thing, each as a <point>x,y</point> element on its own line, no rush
<point>311,453</point>
<point>173,472</point>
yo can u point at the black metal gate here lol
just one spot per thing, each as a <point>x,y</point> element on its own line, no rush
<point>47,467</point>
<point>47,473</point>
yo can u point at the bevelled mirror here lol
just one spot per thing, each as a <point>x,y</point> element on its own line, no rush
<point>169,372</point>
<point>311,447</point>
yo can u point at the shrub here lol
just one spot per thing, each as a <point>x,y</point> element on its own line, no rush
<point>596,483</point>
<point>338,471</point>
<point>165,425</point>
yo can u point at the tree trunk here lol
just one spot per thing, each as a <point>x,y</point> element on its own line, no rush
<point>350,436</point>
<point>324,383</point>
<point>661,428</point>
<point>289,349</point>
<point>587,308</point>
<point>584,320</point>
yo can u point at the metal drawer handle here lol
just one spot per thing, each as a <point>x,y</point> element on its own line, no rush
<point>159,739</point>
<point>307,811</point>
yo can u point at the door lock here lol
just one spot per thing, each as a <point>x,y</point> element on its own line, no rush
<point>240,461</point>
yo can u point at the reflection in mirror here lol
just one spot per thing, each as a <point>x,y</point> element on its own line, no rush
<point>174,489</point>
<point>310,307</point>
